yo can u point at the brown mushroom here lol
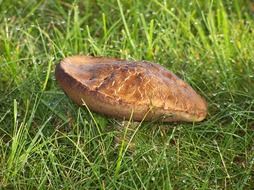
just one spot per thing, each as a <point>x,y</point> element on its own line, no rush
<point>121,89</point>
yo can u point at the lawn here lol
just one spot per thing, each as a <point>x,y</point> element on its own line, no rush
<point>48,142</point>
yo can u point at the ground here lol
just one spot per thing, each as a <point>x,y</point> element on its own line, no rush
<point>48,142</point>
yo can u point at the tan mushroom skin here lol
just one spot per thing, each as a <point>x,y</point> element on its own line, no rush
<point>121,89</point>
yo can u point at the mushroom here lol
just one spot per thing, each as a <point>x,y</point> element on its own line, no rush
<point>123,89</point>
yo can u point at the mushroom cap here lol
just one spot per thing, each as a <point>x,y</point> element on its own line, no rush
<point>124,89</point>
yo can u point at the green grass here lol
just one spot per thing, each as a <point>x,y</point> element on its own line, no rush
<point>48,142</point>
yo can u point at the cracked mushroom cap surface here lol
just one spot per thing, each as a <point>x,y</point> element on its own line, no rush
<point>123,89</point>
